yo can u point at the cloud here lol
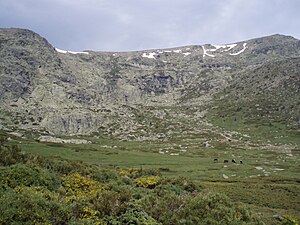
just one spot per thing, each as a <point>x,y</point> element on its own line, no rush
<point>119,25</point>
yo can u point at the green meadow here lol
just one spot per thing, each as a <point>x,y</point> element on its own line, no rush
<point>267,180</point>
<point>264,178</point>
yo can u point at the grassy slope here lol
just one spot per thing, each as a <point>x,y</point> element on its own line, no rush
<point>276,194</point>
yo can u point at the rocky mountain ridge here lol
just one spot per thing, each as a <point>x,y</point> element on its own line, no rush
<point>144,94</point>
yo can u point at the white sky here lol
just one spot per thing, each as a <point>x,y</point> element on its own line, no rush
<point>119,25</point>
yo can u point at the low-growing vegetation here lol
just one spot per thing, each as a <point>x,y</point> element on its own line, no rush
<point>50,186</point>
<point>35,190</point>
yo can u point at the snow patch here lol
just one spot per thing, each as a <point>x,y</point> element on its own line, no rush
<point>150,55</point>
<point>231,46</point>
<point>226,47</point>
<point>205,52</point>
<point>219,46</point>
<point>186,53</point>
<point>61,51</point>
<point>244,48</point>
<point>177,51</point>
<point>78,52</point>
<point>71,52</point>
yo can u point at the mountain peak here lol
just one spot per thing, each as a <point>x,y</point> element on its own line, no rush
<point>69,92</point>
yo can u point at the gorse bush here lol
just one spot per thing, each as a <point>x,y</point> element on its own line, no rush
<point>77,185</point>
<point>38,190</point>
<point>211,208</point>
<point>289,221</point>
<point>139,172</point>
<point>23,175</point>
<point>11,154</point>
<point>137,216</point>
<point>179,185</point>
<point>33,205</point>
<point>163,207</point>
<point>204,208</point>
<point>147,182</point>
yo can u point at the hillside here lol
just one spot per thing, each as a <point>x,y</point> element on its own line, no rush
<point>143,94</point>
<point>202,134</point>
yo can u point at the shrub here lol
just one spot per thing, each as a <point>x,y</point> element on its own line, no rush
<point>107,202</point>
<point>11,154</point>
<point>137,216</point>
<point>135,173</point>
<point>147,182</point>
<point>179,185</point>
<point>105,175</point>
<point>22,175</point>
<point>163,208</point>
<point>204,208</point>
<point>112,203</point>
<point>211,208</point>
<point>289,221</point>
<point>61,166</point>
<point>81,187</point>
<point>33,205</point>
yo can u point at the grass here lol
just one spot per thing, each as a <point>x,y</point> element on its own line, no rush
<point>265,196</point>
<point>267,181</point>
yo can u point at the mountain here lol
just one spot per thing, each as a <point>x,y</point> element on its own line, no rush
<point>147,95</point>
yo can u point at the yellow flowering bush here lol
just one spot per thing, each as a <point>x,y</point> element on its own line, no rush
<point>131,172</point>
<point>138,172</point>
<point>89,216</point>
<point>80,186</point>
<point>33,205</point>
<point>290,221</point>
<point>147,182</point>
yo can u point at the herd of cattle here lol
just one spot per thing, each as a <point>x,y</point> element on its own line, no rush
<point>227,161</point>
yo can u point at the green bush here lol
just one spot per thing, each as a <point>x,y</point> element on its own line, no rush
<point>107,202</point>
<point>135,216</point>
<point>11,154</point>
<point>205,208</point>
<point>139,172</point>
<point>22,175</point>
<point>33,205</point>
<point>180,185</point>
<point>61,166</point>
<point>212,208</point>
<point>105,175</point>
<point>163,208</point>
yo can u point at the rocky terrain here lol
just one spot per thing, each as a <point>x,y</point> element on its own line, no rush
<point>149,94</point>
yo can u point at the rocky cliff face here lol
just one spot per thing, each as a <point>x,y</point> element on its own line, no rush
<point>144,94</point>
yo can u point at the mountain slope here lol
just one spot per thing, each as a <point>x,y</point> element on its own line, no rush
<point>150,94</point>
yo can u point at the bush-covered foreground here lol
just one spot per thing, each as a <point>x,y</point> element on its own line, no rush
<point>38,190</point>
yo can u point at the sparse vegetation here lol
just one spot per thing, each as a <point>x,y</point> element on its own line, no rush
<point>180,139</point>
<point>35,190</point>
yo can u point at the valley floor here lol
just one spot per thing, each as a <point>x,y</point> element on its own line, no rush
<point>265,180</point>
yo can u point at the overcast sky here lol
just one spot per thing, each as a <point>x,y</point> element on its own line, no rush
<point>122,25</point>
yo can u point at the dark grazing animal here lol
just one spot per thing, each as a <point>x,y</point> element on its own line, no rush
<point>241,162</point>
<point>215,160</point>
<point>225,161</point>
<point>233,161</point>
